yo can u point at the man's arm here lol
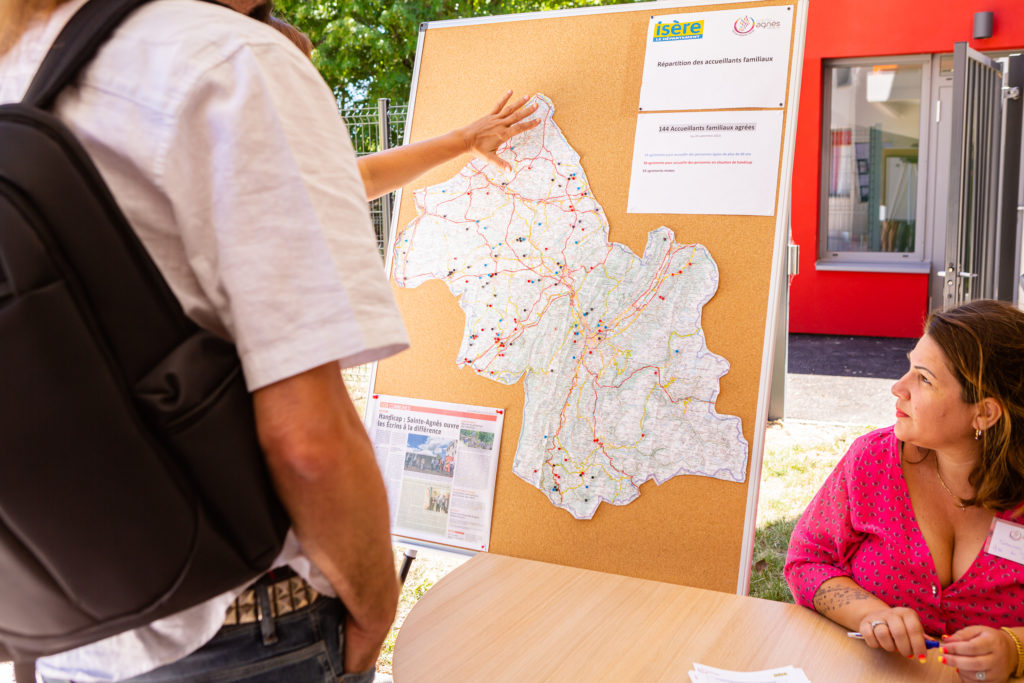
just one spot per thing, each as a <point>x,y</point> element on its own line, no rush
<point>323,467</point>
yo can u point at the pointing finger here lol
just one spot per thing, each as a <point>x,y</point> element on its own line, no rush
<point>501,103</point>
<point>514,106</point>
<point>520,114</point>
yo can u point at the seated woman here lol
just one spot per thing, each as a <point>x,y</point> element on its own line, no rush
<point>895,544</point>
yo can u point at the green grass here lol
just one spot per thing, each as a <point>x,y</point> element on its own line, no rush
<point>770,543</point>
<point>797,459</point>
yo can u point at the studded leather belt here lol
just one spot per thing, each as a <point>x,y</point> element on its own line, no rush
<point>286,595</point>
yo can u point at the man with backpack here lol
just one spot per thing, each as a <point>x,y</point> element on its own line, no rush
<point>223,149</point>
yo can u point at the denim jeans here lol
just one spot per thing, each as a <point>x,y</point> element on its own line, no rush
<point>308,650</point>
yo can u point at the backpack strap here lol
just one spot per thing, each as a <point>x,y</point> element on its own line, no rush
<point>75,47</point>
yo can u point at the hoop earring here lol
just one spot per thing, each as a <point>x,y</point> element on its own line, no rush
<point>977,434</point>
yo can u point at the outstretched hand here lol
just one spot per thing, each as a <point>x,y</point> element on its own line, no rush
<point>485,135</point>
<point>980,651</point>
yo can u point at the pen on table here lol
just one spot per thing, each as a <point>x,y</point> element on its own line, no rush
<point>928,642</point>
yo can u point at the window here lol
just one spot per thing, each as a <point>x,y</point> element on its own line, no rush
<point>871,194</point>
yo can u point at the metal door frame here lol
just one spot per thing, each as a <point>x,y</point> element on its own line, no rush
<point>1008,247</point>
<point>971,214</point>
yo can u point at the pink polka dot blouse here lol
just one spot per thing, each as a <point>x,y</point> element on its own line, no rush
<point>861,524</point>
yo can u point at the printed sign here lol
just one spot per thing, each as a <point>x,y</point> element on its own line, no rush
<point>726,59</point>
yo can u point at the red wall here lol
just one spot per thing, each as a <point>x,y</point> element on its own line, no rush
<point>872,304</point>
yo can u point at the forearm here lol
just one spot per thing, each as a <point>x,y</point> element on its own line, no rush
<point>391,169</point>
<point>323,467</point>
<point>843,601</point>
<point>340,517</point>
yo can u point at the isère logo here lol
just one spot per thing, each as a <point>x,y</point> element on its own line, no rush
<point>677,30</point>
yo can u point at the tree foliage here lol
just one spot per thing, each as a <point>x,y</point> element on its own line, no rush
<point>365,49</point>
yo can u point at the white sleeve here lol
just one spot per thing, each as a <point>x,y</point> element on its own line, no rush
<point>274,219</point>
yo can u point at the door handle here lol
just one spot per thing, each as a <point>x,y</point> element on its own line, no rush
<point>942,273</point>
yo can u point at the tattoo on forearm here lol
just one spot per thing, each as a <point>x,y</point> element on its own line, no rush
<point>831,598</point>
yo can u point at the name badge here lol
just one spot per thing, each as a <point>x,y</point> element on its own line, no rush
<point>1006,540</point>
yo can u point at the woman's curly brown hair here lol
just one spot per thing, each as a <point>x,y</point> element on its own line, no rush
<point>984,344</point>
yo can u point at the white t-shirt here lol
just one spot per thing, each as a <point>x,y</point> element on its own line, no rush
<point>224,148</point>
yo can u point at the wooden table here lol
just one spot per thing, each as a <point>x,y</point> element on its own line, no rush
<point>498,618</point>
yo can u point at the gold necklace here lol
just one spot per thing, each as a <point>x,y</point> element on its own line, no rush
<point>956,498</point>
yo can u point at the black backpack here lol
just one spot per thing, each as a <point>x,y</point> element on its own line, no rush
<point>132,484</point>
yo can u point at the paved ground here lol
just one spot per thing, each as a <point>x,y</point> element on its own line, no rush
<point>843,379</point>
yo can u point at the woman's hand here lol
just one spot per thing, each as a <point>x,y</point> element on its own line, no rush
<point>386,171</point>
<point>485,135</point>
<point>980,653</point>
<point>895,629</point>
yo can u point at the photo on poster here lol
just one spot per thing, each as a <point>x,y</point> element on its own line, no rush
<point>437,499</point>
<point>477,439</point>
<point>430,455</point>
<point>419,509</point>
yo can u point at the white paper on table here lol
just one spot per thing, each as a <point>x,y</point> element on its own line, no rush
<point>724,163</point>
<point>717,60</point>
<point>708,674</point>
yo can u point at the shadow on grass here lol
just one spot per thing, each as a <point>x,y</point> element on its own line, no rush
<point>770,544</point>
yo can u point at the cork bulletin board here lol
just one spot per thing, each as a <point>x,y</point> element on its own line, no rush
<point>691,530</point>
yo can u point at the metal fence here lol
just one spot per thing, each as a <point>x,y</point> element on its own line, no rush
<point>374,129</point>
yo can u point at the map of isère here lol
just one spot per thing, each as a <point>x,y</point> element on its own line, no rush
<point>620,385</point>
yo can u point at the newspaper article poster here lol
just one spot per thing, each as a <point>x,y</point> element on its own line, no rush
<point>439,462</point>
